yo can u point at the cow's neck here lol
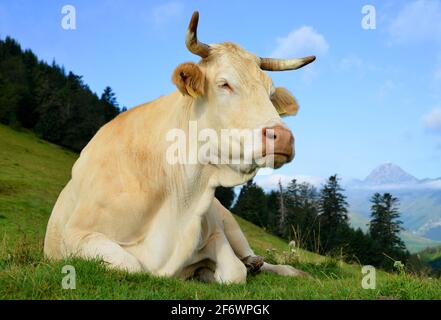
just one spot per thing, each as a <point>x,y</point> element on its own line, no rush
<point>192,184</point>
<point>195,179</point>
<point>189,190</point>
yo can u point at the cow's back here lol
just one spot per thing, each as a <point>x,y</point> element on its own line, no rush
<point>120,162</point>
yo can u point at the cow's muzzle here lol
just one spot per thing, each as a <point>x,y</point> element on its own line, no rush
<point>278,144</point>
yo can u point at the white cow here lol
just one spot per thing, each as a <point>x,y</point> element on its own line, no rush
<point>129,206</point>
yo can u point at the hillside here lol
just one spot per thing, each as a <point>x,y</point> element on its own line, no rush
<point>414,243</point>
<point>420,210</point>
<point>32,173</point>
<point>432,257</point>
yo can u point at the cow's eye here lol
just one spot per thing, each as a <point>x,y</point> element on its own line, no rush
<point>226,86</point>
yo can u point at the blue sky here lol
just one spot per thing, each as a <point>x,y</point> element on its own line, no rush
<point>372,96</point>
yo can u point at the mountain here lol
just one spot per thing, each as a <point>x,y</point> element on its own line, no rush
<point>420,200</point>
<point>389,173</point>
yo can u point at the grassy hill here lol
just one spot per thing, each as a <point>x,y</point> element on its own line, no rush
<point>32,173</point>
<point>432,257</point>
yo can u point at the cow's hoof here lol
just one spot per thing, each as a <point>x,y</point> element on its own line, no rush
<point>253,263</point>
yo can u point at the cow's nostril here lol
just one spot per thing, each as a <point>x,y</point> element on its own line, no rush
<point>270,134</point>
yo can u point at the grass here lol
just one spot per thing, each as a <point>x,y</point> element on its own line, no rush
<point>32,173</point>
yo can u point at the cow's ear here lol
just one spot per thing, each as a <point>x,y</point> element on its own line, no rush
<point>189,79</point>
<point>284,102</point>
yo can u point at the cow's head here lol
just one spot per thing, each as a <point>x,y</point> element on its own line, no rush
<point>229,90</point>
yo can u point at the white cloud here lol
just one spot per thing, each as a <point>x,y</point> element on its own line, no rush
<point>272,181</point>
<point>428,226</point>
<point>432,120</point>
<point>163,13</point>
<point>418,21</point>
<point>433,184</point>
<point>304,41</point>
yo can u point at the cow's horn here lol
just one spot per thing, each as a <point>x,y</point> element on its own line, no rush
<point>191,38</point>
<point>284,64</point>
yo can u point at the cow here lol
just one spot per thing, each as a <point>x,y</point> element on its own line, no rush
<point>129,206</point>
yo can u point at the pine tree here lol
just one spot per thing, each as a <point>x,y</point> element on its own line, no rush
<point>225,196</point>
<point>251,204</point>
<point>306,217</point>
<point>360,247</point>
<point>333,215</point>
<point>108,96</point>
<point>292,192</point>
<point>283,228</point>
<point>385,228</point>
<point>301,212</point>
<point>109,99</point>
<point>272,200</point>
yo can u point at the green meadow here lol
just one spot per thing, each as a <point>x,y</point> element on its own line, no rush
<point>33,172</point>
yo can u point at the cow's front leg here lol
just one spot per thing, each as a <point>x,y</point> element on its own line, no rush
<point>283,270</point>
<point>237,239</point>
<point>240,245</point>
<point>229,268</point>
<point>93,245</point>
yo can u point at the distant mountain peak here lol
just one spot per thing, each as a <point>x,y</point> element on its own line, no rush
<point>389,173</point>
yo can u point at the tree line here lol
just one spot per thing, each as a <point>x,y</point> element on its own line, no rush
<point>56,105</point>
<point>317,220</point>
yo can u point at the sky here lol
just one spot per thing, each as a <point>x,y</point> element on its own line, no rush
<point>372,96</point>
